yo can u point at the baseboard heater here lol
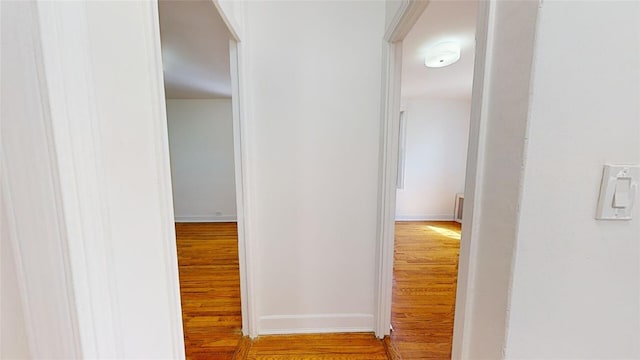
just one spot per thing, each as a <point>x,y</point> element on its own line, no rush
<point>457,213</point>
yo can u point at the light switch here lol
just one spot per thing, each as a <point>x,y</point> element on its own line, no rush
<point>622,192</point>
<point>618,192</point>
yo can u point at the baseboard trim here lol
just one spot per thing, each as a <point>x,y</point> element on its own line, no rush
<point>315,323</point>
<point>436,217</point>
<point>206,218</point>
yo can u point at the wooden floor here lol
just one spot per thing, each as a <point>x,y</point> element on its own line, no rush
<point>424,289</point>
<point>210,289</point>
<point>318,346</point>
<point>426,259</point>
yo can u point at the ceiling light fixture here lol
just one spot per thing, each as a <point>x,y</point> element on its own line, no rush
<point>442,54</point>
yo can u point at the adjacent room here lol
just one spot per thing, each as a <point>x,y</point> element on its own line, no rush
<point>437,73</point>
<point>195,56</point>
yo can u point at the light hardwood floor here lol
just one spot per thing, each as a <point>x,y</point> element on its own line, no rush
<point>424,289</point>
<point>426,260</point>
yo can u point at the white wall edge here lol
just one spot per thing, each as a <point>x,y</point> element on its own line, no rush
<point>205,218</point>
<point>474,176</point>
<point>229,21</point>
<point>315,323</point>
<point>425,217</point>
<point>244,195</point>
<point>402,22</point>
<point>7,206</point>
<point>165,194</point>
<point>389,123</point>
<point>67,75</point>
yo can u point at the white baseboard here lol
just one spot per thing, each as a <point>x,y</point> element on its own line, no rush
<point>315,323</point>
<point>205,218</point>
<point>425,217</point>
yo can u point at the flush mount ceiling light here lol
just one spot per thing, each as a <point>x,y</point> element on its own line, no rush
<point>442,54</point>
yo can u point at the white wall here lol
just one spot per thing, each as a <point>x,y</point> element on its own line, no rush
<point>13,331</point>
<point>435,158</point>
<point>576,285</point>
<point>32,220</point>
<point>314,119</point>
<point>547,280</point>
<point>86,181</point>
<point>132,139</point>
<point>202,167</point>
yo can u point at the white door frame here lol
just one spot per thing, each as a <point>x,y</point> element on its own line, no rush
<point>404,20</point>
<point>238,100</point>
<point>85,304</point>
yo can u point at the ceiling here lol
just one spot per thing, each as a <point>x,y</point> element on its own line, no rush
<point>195,50</point>
<point>441,21</point>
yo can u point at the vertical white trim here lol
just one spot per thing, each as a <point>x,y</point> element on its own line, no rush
<point>239,99</point>
<point>474,176</point>
<point>164,179</point>
<point>392,65</point>
<point>65,47</point>
<point>40,343</point>
<point>402,149</point>
<point>7,207</point>
<point>402,22</point>
<point>245,252</point>
<point>6,203</point>
<point>229,21</point>
<point>64,246</point>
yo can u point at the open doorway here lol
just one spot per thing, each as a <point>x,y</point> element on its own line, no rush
<point>198,89</point>
<point>435,104</point>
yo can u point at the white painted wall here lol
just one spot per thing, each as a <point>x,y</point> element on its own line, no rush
<point>544,136</point>
<point>202,168</point>
<point>132,138</point>
<point>435,158</point>
<point>32,219</point>
<point>13,331</point>
<point>314,119</point>
<point>86,182</point>
<point>576,281</point>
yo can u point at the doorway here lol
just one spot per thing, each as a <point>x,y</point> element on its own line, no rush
<point>430,80</point>
<point>204,142</point>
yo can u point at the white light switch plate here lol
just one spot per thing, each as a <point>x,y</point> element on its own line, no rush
<point>618,192</point>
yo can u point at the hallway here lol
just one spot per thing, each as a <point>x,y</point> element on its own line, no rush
<point>426,260</point>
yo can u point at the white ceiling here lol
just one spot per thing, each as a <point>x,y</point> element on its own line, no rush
<point>441,21</point>
<point>195,50</point>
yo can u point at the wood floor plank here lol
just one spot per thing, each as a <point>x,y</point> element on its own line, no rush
<point>242,351</point>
